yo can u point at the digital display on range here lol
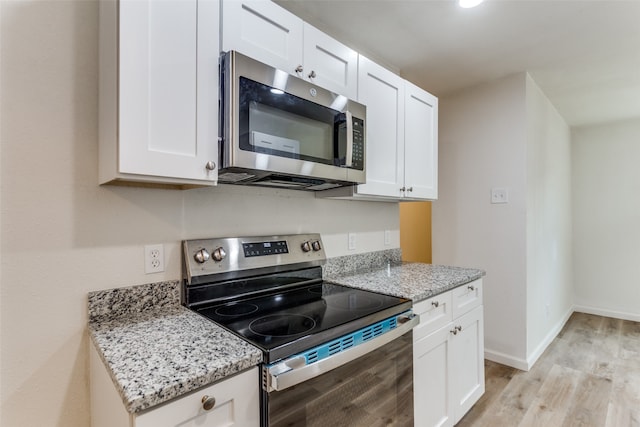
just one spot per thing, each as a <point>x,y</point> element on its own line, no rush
<point>265,248</point>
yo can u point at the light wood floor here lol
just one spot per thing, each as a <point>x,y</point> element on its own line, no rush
<point>588,376</point>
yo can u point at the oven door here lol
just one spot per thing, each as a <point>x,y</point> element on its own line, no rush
<point>373,389</point>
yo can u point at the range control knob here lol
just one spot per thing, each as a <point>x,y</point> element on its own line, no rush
<point>306,247</point>
<point>219,254</point>
<point>316,245</point>
<point>201,256</point>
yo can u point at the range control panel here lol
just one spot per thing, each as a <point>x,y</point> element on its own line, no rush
<point>216,256</point>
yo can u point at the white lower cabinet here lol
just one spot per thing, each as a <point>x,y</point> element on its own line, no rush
<point>448,361</point>
<point>232,402</point>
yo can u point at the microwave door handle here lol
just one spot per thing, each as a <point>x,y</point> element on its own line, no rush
<point>348,161</point>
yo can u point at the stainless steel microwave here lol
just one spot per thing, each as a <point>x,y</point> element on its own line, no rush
<point>281,131</point>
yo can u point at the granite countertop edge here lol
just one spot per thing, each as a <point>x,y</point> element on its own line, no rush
<point>194,353</point>
<point>415,281</point>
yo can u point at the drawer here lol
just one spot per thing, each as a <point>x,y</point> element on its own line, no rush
<point>466,298</point>
<point>235,402</point>
<point>434,313</point>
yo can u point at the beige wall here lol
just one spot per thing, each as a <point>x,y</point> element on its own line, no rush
<point>415,231</point>
<point>482,144</point>
<point>63,235</point>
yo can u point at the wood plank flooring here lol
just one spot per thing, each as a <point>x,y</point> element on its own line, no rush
<point>588,376</point>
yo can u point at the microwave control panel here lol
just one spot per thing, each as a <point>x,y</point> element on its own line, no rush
<point>358,144</point>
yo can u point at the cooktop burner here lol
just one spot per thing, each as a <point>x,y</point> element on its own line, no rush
<point>282,325</point>
<point>237,309</point>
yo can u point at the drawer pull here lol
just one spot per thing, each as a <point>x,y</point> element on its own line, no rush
<point>208,403</point>
<point>435,303</point>
<point>471,288</point>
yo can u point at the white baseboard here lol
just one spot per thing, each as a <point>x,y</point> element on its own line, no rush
<point>505,359</point>
<point>522,364</point>
<point>525,365</point>
<point>607,313</point>
<point>548,339</point>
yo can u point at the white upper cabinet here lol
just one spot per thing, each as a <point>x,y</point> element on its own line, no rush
<point>263,31</point>
<point>270,34</point>
<point>421,143</point>
<point>329,64</point>
<point>159,91</point>
<point>383,93</point>
<point>401,139</point>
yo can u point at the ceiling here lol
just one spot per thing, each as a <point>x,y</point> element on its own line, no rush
<point>584,54</point>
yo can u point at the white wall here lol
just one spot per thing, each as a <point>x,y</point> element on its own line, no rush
<point>606,220</point>
<point>507,134</point>
<point>549,260</point>
<point>63,235</point>
<point>482,144</point>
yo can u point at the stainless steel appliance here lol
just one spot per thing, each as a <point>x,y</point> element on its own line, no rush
<point>333,355</point>
<point>279,130</point>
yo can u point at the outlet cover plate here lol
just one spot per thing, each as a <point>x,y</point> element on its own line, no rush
<point>153,259</point>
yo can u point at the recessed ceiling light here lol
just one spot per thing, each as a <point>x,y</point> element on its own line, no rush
<point>469,3</point>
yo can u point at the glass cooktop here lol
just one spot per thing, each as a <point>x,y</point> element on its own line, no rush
<point>287,322</point>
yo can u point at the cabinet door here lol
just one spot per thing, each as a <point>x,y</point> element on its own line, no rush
<point>420,143</point>
<point>383,93</point>
<point>467,375</point>
<point>432,360</point>
<point>168,88</point>
<point>263,31</point>
<point>236,405</point>
<point>333,64</point>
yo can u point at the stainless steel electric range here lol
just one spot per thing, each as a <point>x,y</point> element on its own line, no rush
<point>333,355</point>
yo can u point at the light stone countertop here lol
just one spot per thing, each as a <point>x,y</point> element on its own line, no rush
<point>415,281</point>
<point>155,354</point>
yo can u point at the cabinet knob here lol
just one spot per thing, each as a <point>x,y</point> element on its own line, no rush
<point>458,328</point>
<point>402,189</point>
<point>210,165</point>
<point>454,331</point>
<point>471,288</point>
<point>410,189</point>
<point>299,69</point>
<point>208,402</point>
<point>435,303</point>
<point>312,74</point>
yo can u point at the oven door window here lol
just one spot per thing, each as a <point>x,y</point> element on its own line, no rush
<point>280,124</point>
<point>375,389</point>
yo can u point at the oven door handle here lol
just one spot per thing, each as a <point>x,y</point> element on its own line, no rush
<point>295,371</point>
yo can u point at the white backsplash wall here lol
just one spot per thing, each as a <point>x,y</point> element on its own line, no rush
<point>63,235</point>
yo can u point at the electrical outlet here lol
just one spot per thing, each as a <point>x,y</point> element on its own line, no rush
<point>387,237</point>
<point>499,195</point>
<point>153,259</point>
<point>352,241</point>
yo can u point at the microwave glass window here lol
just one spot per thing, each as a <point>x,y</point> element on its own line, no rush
<point>278,130</point>
<point>277,123</point>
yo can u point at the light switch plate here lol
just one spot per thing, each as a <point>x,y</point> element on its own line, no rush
<point>499,195</point>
